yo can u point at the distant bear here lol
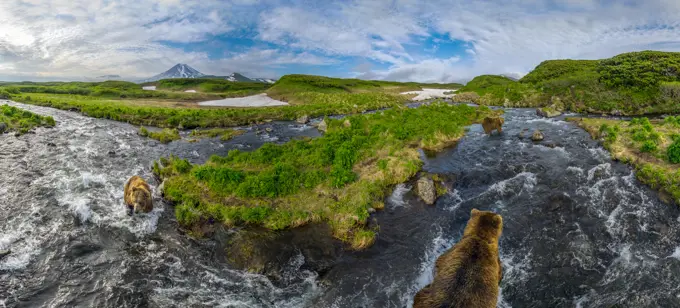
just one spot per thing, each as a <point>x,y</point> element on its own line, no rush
<point>468,274</point>
<point>490,124</point>
<point>138,196</point>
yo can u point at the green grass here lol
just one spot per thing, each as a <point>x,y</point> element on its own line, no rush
<point>213,85</point>
<point>21,121</point>
<point>225,134</point>
<point>634,83</point>
<point>312,96</point>
<point>652,147</point>
<point>333,179</point>
<point>166,135</point>
<point>500,91</point>
<point>138,113</point>
<point>306,89</point>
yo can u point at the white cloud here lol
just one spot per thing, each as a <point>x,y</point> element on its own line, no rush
<point>76,38</point>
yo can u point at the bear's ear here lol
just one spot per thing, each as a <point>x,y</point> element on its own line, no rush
<point>475,212</point>
<point>498,220</point>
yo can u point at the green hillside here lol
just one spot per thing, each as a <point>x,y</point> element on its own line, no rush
<point>631,83</point>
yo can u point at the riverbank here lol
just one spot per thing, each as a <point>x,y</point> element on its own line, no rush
<point>337,179</point>
<point>20,121</point>
<point>651,147</point>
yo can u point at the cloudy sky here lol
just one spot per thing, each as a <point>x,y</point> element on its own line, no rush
<point>406,40</point>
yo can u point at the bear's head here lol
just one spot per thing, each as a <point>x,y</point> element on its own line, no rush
<point>487,225</point>
<point>141,200</point>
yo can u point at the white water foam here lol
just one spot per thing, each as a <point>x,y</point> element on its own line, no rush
<point>396,199</point>
<point>517,184</point>
<point>601,171</point>
<point>600,154</point>
<point>560,150</point>
<point>457,201</point>
<point>439,246</point>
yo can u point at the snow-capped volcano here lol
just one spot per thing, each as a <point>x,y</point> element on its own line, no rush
<point>178,71</point>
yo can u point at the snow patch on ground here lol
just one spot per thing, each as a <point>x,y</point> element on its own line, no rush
<point>259,100</point>
<point>430,93</point>
<point>149,88</point>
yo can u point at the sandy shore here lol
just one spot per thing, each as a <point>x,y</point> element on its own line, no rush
<point>430,93</point>
<point>260,100</point>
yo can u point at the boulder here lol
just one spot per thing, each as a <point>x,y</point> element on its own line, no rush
<point>269,129</point>
<point>537,136</point>
<point>3,127</point>
<point>426,190</point>
<point>547,112</point>
<point>347,123</point>
<point>616,113</point>
<point>4,253</point>
<point>323,126</point>
<point>303,119</point>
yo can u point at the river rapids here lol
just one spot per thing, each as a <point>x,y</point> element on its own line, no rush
<point>580,230</point>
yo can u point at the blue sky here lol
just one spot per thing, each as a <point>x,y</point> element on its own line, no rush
<point>405,40</point>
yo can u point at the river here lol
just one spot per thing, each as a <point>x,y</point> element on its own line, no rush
<point>580,230</point>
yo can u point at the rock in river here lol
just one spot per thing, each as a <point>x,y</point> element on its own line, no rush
<point>303,119</point>
<point>323,126</point>
<point>4,253</point>
<point>537,136</point>
<point>426,189</point>
<point>3,127</point>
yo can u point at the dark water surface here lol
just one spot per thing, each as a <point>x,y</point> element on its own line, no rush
<point>580,230</point>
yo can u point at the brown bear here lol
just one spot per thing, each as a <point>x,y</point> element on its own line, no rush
<point>138,196</point>
<point>491,123</point>
<point>469,273</point>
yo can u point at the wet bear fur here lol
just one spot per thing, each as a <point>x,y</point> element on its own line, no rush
<point>493,123</point>
<point>469,273</point>
<point>138,195</point>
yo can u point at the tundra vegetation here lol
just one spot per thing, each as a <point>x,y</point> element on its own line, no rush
<point>335,179</point>
<point>634,83</point>
<point>652,147</point>
<point>21,121</point>
<point>171,107</point>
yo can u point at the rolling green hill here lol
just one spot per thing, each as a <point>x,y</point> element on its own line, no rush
<point>632,83</point>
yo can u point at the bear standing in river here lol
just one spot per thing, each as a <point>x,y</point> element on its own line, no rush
<point>468,274</point>
<point>138,196</point>
<point>491,123</point>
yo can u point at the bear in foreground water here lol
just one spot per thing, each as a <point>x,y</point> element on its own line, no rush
<point>491,123</point>
<point>138,196</point>
<point>468,274</point>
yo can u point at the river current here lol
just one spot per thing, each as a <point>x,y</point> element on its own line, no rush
<point>580,230</point>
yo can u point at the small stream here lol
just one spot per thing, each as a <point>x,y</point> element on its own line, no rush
<point>580,230</point>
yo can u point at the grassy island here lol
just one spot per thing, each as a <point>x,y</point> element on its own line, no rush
<point>21,121</point>
<point>634,83</point>
<point>334,179</point>
<point>652,147</point>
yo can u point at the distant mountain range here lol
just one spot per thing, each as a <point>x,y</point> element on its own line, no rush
<point>186,71</point>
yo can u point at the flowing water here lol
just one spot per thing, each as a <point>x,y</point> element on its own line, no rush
<point>580,230</point>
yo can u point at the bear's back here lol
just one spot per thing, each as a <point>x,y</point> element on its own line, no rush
<point>465,276</point>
